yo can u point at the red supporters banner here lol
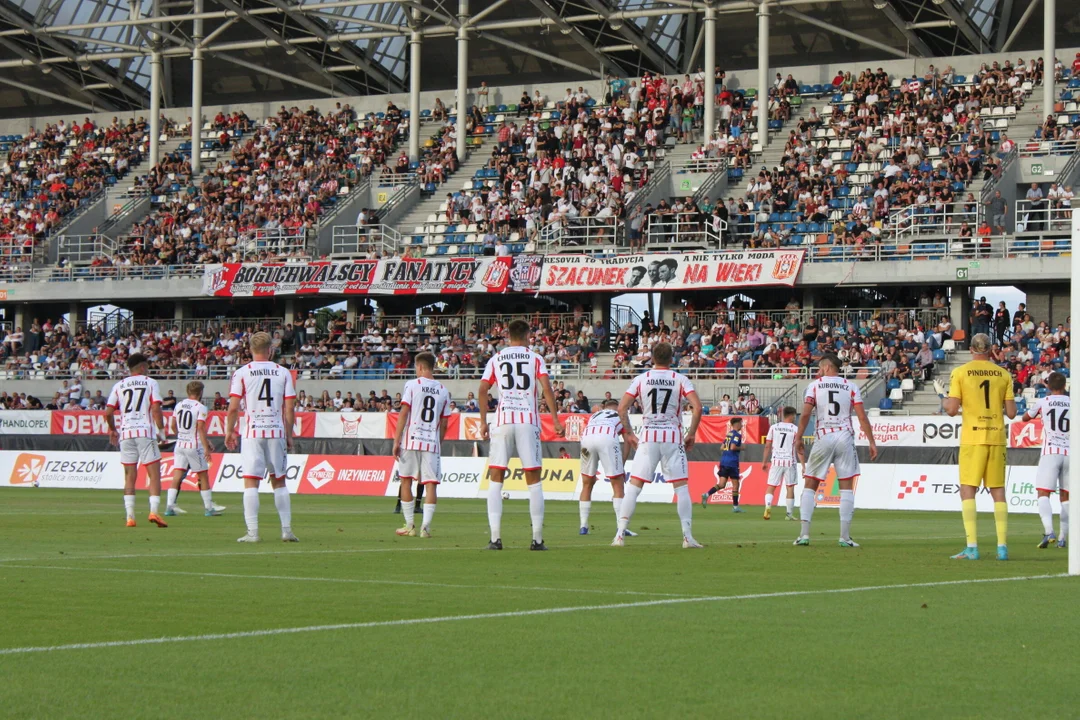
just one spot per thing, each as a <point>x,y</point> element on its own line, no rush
<point>189,482</point>
<point>395,276</point>
<point>710,430</point>
<point>682,271</point>
<point>346,475</point>
<point>74,422</point>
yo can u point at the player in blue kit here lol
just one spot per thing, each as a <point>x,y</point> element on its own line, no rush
<point>728,469</point>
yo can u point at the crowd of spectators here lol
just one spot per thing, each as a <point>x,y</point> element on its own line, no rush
<point>263,200</point>
<point>52,170</point>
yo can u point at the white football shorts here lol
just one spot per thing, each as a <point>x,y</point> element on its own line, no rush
<point>139,451</point>
<point>786,475</point>
<point>601,451</point>
<point>420,465</point>
<point>836,449</point>
<point>671,457</point>
<point>192,459</point>
<point>1053,473</point>
<point>515,440</point>
<point>259,456</point>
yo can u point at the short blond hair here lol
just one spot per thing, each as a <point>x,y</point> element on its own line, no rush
<point>259,343</point>
<point>981,343</point>
<point>195,388</point>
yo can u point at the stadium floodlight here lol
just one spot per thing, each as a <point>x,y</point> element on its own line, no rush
<point>1074,434</point>
<point>84,65</point>
<point>881,4</point>
<point>46,69</point>
<point>939,2</point>
<point>335,47</point>
<point>290,49</point>
<point>615,23</point>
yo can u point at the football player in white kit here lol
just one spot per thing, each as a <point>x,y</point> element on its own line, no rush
<point>780,452</point>
<point>600,447</point>
<point>832,399</point>
<point>425,412</point>
<point>192,452</point>
<point>138,400</point>
<point>520,375</point>
<point>269,413</point>
<point>1053,473</point>
<point>661,392</point>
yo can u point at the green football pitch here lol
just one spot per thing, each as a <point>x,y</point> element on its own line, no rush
<point>103,621</point>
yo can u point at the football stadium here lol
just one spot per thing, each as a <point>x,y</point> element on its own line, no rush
<point>498,358</point>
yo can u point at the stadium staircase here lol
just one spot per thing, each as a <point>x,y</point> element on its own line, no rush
<point>926,398</point>
<point>422,213</point>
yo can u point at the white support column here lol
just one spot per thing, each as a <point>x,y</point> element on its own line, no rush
<point>463,77</point>
<point>1074,437</point>
<point>76,317</point>
<point>155,89</point>
<point>1049,27</point>
<point>710,74</point>
<point>196,91</point>
<point>763,73</point>
<point>414,87</point>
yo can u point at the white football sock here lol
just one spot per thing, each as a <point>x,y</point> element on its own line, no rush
<point>129,506</point>
<point>629,504</point>
<point>686,509</point>
<point>429,512</point>
<point>206,501</point>
<point>791,506</point>
<point>768,500</point>
<point>251,510</point>
<point>1046,514</point>
<point>617,504</point>
<point>408,511</point>
<point>284,507</point>
<point>536,510</point>
<point>155,504</point>
<point>847,511</point>
<point>1064,520</point>
<point>495,507</point>
<point>584,506</point>
<point>806,510</point>
<point>173,492</point>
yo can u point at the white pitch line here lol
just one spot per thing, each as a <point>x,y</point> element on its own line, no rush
<point>292,578</point>
<point>500,615</point>
<point>359,551</point>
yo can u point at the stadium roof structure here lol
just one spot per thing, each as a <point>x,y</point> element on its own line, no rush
<point>66,55</point>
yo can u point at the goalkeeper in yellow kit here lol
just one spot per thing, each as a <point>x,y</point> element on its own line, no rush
<point>985,393</point>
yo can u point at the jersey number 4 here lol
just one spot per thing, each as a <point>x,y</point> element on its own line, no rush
<point>265,394</point>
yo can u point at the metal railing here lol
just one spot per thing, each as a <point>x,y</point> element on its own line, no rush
<point>943,248</point>
<point>582,234</point>
<point>769,396</point>
<point>704,165</point>
<point>917,220</point>
<point>389,178</point>
<point>836,318</point>
<point>990,185</point>
<point>278,243</point>
<point>676,232</point>
<point>1043,216</point>
<point>660,175</point>
<point>360,241</point>
<point>77,274</point>
<point>125,326</point>
<point>84,249</point>
<point>14,250</point>
<point>750,373</point>
<point>362,186</point>
<point>1041,148</point>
